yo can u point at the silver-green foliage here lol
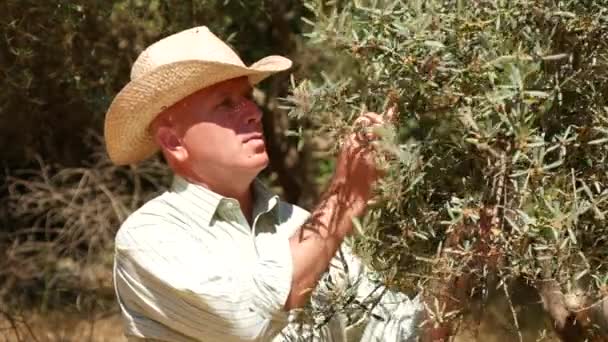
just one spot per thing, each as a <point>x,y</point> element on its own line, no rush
<point>502,138</point>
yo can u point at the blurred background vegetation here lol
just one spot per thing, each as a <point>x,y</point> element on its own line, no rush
<point>494,203</point>
<point>61,201</point>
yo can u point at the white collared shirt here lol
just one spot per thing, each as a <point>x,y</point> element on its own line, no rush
<point>189,267</point>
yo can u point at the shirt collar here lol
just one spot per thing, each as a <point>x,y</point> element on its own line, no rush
<point>264,200</point>
<point>209,202</point>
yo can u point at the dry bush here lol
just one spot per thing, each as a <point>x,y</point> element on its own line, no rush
<point>60,327</point>
<point>61,222</point>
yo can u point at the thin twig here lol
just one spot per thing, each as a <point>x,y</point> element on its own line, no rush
<point>515,320</point>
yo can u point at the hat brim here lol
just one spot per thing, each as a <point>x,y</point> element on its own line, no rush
<point>126,124</point>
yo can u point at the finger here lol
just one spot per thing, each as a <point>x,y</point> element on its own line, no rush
<point>360,126</point>
<point>374,118</point>
<point>371,136</point>
<point>360,132</point>
<point>362,121</point>
<point>366,136</point>
<point>392,115</point>
<point>360,138</point>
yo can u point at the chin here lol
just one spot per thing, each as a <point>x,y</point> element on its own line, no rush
<point>257,162</point>
<point>263,161</point>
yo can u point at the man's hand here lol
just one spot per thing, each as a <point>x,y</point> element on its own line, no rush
<point>316,242</point>
<point>356,170</point>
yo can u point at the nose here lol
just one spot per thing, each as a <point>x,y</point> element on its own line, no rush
<point>251,113</point>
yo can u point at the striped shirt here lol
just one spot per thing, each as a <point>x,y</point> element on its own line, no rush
<point>189,267</point>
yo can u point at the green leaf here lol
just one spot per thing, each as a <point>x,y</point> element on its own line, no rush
<point>434,44</point>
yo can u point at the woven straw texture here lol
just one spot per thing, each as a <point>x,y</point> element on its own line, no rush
<point>166,72</point>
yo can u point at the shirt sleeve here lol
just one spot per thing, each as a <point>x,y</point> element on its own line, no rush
<point>164,274</point>
<point>384,315</point>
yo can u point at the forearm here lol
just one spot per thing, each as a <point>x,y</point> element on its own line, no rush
<point>315,243</point>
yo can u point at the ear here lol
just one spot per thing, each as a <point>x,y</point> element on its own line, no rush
<point>171,144</point>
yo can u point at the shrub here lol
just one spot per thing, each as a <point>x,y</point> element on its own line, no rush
<point>499,167</point>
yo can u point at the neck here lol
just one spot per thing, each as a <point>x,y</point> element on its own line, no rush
<point>239,188</point>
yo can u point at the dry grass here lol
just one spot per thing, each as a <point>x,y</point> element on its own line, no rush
<point>59,326</point>
<point>58,240</point>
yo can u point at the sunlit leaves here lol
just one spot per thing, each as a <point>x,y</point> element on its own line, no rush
<point>502,135</point>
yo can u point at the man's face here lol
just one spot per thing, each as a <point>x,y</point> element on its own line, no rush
<point>221,129</point>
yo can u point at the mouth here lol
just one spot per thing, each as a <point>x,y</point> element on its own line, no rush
<point>252,137</point>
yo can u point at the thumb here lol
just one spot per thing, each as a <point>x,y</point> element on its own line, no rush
<point>392,114</point>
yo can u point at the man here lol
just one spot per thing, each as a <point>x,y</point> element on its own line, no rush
<point>218,257</point>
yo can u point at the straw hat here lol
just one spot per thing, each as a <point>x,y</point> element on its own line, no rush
<point>166,72</point>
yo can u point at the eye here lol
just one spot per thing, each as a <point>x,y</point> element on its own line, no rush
<point>226,103</point>
<point>249,96</point>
